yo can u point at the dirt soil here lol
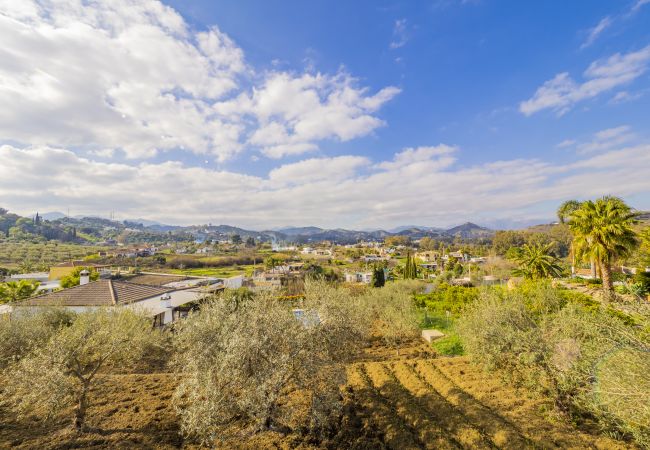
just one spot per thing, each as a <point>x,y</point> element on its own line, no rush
<point>409,401</point>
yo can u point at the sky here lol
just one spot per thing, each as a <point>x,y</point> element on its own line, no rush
<point>365,114</point>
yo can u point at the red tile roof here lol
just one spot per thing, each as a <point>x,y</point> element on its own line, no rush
<point>97,293</point>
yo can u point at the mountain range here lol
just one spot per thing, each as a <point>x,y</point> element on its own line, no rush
<point>95,229</point>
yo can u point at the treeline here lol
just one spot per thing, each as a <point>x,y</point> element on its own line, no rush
<point>19,228</point>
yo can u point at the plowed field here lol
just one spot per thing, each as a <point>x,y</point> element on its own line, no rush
<point>411,401</point>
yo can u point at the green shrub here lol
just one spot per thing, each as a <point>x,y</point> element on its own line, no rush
<point>563,345</point>
<point>447,298</point>
<point>450,345</point>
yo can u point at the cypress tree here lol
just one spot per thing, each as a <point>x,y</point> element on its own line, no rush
<point>378,278</point>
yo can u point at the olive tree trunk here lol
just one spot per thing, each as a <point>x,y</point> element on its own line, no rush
<point>80,410</point>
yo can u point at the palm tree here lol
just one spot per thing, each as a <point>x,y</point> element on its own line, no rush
<point>536,261</point>
<point>14,291</point>
<point>602,231</point>
<point>567,208</point>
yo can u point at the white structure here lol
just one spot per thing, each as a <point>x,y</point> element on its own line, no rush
<point>234,282</point>
<point>358,277</point>
<point>316,251</point>
<point>41,277</point>
<point>162,304</point>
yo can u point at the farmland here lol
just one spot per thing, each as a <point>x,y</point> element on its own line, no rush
<point>41,255</point>
<point>415,400</point>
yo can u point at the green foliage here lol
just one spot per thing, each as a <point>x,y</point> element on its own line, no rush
<point>505,240</point>
<point>394,241</point>
<point>239,365</point>
<point>61,371</point>
<point>566,209</point>
<point>271,262</point>
<point>410,270</point>
<point>24,332</point>
<point>451,345</point>
<point>561,345</point>
<point>14,291</point>
<point>378,277</point>
<point>447,298</point>
<point>40,256</point>
<point>73,279</point>
<point>602,232</point>
<point>536,261</point>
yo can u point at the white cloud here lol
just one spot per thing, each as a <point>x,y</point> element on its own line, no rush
<point>625,96</point>
<point>607,139</point>
<point>319,169</point>
<point>561,93</point>
<point>639,4</point>
<point>333,192</point>
<point>596,31</point>
<point>566,143</point>
<point>400,34</point>
<point>132,75</point>
<point>295,112</point>
<point>410,156</point>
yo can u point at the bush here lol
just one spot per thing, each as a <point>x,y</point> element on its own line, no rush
<point>564,347</point>
<point>447,298</point>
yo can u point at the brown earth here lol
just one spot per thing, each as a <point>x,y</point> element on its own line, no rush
<point>414,400</point>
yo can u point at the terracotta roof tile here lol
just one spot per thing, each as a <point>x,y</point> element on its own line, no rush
<point>97,293</point>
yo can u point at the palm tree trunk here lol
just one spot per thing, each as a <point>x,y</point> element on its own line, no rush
<point>608,285</point>
<point>592,265</point>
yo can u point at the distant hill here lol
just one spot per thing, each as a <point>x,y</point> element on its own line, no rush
<point>300,231</point>
<point>470,230</point>
<point>53,215</point>
<point>414,227</point>
<point>96,229</point>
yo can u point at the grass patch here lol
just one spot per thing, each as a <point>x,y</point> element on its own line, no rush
<point>451,344</point>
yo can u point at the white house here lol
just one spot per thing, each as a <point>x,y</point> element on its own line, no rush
<point>162,303</point>
<point>358,277</point>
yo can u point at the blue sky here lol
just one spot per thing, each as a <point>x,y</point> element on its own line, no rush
<point>352,114</point>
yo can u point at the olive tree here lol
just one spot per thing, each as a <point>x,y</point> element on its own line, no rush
<point>241,363</point>
<point>27,331</point>
<point>60,372</point>
<point>393,312</point>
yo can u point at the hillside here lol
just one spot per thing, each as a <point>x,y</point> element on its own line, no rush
<point>84,230</point>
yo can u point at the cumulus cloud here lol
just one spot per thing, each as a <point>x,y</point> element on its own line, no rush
<point>294,112</point>
<point>561,92</point>
<point>339,191</point>
<point>132,75</point>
